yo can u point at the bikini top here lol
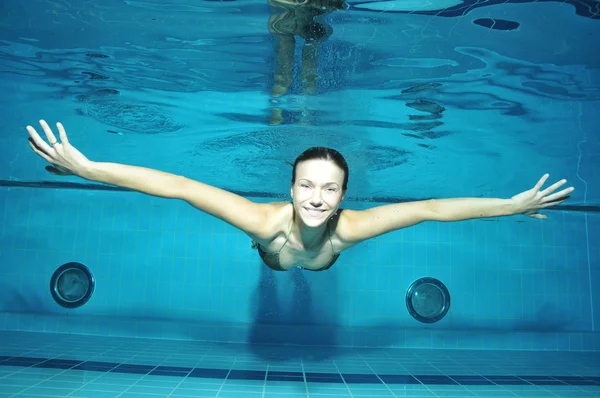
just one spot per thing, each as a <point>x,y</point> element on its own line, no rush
<point>271,260</point>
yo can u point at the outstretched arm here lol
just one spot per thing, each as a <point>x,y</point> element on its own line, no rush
<point>244,214</point>
<point>357,226</point>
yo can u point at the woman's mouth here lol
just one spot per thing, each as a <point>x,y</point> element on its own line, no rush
<point>314,212</point>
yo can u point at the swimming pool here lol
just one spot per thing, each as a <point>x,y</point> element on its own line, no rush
<point>442,99</point>
<point>61,365</point>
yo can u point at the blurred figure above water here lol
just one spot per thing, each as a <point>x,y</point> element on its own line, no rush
<point>289,19</point>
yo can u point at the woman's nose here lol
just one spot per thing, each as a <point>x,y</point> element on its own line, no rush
<point>316,200</point>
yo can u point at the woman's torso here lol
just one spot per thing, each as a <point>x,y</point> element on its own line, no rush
<point>291,253</point>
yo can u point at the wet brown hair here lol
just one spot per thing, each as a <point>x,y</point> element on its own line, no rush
<point>322,153</point>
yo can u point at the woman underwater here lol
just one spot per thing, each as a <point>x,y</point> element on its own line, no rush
<point>310,231</point>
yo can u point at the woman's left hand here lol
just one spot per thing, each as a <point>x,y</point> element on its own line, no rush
<point>534,199</point>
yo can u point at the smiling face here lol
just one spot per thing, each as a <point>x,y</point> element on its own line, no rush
<point>317,191</point>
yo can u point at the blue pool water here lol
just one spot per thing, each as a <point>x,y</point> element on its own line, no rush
<point>445,98</point>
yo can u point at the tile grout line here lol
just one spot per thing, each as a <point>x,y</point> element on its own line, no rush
<point>48,378</point>
<point>377,375</point>
<point>343,380</point>
<point>304,377</point>
<point>186,376</point>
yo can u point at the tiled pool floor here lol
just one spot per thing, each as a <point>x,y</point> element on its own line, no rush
<point>55,365</point>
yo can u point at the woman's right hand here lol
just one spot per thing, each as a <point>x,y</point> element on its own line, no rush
<point>64,158</point>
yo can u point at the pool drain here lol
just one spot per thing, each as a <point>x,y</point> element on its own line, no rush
<point>427,300</point>
<point>72,285</point>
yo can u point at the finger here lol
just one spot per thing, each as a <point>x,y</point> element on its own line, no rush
<point>558,195</point>
<point>39,152</point>
<point>553,187</point>
<point>62,132</point>
<point>541,182</point>
<point>49,134</point>
<point>557,202</point>
<point>51,170</point>
<point>55,170</point>
<point>537,216</point>
<point>39,141</point>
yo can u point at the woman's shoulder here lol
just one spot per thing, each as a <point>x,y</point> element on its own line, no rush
<point>278,209</point>
<point>277,220</point>
<point>341,226</point>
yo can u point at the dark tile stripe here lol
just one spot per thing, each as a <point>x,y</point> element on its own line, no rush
<point>399,379</point>
<point>472,380</point>
<point>543,380</point>
<point>579,380</point>
<point>135,369</point>
<point>435,379</point>
<point>204,373</point>
<point>57,364</point>
<point>159,372</point>
<point>247,375</point>
<point>507,380</point>
<point>96,366</point>
<point>323,377</point>
<point>278,375</point>
<point>298,377</point>
<point>282,373</point>
<point>353,378</point>
<point>171,371</point>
